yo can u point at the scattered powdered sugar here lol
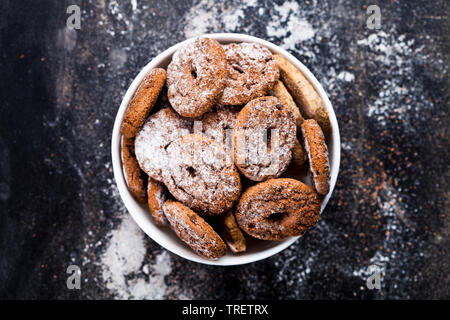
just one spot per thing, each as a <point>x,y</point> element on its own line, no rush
<point>288,23</point>
<point>398,96</point>
<point>381,108</point>
<point>287,20</point>
<point>122,265</point>
<point>115,10</point>
<point>124,255</point>
<point>393,210</point>
<point>231,20</point>
<point>209,16</point>
<point>134,4</point>
<point>346,76</point>
<point>286,267</point>
<point>117,58</point>
<point>377,263</point>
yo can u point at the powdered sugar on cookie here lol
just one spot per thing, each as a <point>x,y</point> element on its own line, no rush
<point>158,132</point>
<point>252,72</point>
<point>201,175</point>
<point>196,77</point>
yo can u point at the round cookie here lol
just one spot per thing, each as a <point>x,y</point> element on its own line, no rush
<point>278,208</point>
<point>158,132</point>
<point>252,72</point>
<point>194,231</point>
<point>157,196</point>
<point>133,174</point>
<point>218,124</point>
<point>201,175</point>
<point>317,151</point>
<point>142,102</point>
<point>196,77</point>
<point>263,138</point>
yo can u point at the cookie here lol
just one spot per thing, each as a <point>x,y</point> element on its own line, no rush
<point>263,138</point>
<point>134,176</point>
<point>157,196</point>
<point>279,90</point>
<point>252,72</point>
<point>298,155</point>
<point>231,233</point>
<point>194,231</point>
<point>218,125</point>
<point>317,151</point>
<point>201,175</point>
<point>157,133</point>
<point>278,208</point>
<point>142,102</point>
<point>298,167</point>
<point>196,77</point>
<point>304,93</point>
<point>285,98</point>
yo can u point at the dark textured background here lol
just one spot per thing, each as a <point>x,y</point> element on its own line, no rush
<point>59,93</point>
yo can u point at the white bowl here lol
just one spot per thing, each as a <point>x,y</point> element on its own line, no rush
<point>257,249</point>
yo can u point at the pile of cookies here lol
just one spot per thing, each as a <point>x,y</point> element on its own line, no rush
<point>217,143</point>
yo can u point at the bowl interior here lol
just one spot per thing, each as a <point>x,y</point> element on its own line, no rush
<point>257,249</point>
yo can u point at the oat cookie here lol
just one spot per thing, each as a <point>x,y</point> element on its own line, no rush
<point>134,176</point>
<point>279,90</point>
<point>252,72</point>
<point>201,175</point>
<point>158,132</point>
<point>304,93</point>
<point>142,102</point>
<point>157,196</point>
<point>231,232</point>
<point>317,152</point>
<point>298,168</point>
<point>263,138</point>
<point>278,208</point>
<point>196,77</point>
<point>218,124</point>
<point>194,231</point>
